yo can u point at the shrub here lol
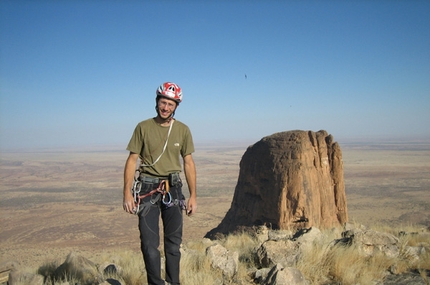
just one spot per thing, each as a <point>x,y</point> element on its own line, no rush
<point>322,262</point>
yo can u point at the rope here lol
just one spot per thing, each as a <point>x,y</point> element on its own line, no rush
<point>164,148</point>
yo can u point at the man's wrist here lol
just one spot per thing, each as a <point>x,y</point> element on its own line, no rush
<point>193,196</point>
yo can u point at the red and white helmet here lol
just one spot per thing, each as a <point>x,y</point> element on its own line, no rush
<point>170,90</point>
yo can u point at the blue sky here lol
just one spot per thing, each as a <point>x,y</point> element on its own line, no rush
<point>84,73</point>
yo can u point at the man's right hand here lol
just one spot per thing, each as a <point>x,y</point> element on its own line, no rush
<point>128,204</point>
<point>129,171</point>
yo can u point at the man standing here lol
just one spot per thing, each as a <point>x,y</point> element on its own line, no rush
<point>157,188</point>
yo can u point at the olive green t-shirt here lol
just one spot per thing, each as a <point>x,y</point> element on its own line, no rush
<point>148,141</point>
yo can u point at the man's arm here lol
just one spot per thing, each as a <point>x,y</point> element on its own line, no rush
<point>190,175</point>
<point>129,172</point>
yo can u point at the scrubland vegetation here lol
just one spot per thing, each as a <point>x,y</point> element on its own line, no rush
<point>320,263</point>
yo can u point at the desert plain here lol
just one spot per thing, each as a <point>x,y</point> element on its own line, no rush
<point>54,201</point>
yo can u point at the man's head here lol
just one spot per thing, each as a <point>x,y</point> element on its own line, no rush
<point>169,95</point>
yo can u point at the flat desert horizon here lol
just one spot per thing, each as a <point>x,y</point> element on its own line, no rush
<point>55,202</point>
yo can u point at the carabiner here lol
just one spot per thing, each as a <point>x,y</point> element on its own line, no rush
<point>137,186</point>
<point>164,197</point>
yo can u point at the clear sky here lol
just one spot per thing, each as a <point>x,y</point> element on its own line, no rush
<point>84,73</point>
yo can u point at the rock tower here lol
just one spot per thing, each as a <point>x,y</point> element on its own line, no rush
<point>289,180</point>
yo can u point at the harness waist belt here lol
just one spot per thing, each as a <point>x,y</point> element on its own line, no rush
<point>153,180</point>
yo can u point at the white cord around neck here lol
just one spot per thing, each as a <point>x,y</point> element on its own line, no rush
<point>164,148</point>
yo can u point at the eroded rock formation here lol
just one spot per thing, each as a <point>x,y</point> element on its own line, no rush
<point>289,180</point>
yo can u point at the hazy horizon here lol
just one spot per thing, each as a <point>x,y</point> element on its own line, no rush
<point>344,142</point>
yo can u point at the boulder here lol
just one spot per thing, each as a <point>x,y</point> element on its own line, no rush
<point>79,268</point>
<point>223,259</point>
<point>284,248</point>
<point>369,242</point>
<point>414,254</point>
<point>288,180</point>
<point>280,275</point>
<point>408,278</point>
<point>272,252</point>
<point>109,269</point>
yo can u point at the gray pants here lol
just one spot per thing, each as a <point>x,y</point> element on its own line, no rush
<point>150,236</point>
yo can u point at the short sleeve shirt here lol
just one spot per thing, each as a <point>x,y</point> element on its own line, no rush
<point>148,141</point>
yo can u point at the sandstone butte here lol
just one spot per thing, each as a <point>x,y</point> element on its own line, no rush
<point>288,180</point>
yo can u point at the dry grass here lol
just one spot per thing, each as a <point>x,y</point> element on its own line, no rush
<point>321,263</point>
<point>243,243</point>
<point>348,266</point>
<point>324,264</point>
<point>246,246</point>
<point>197,269</point>
<point>313,262</point>
<point>131,268</point>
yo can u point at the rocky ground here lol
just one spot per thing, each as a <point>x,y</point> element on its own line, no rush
<point>412,278</point>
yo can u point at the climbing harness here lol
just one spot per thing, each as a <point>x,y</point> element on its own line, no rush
<point>160,193</point>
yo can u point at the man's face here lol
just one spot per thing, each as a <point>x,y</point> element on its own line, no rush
<point>166,107</point>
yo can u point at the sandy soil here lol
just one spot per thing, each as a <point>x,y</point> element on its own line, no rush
<point>54,202</point>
